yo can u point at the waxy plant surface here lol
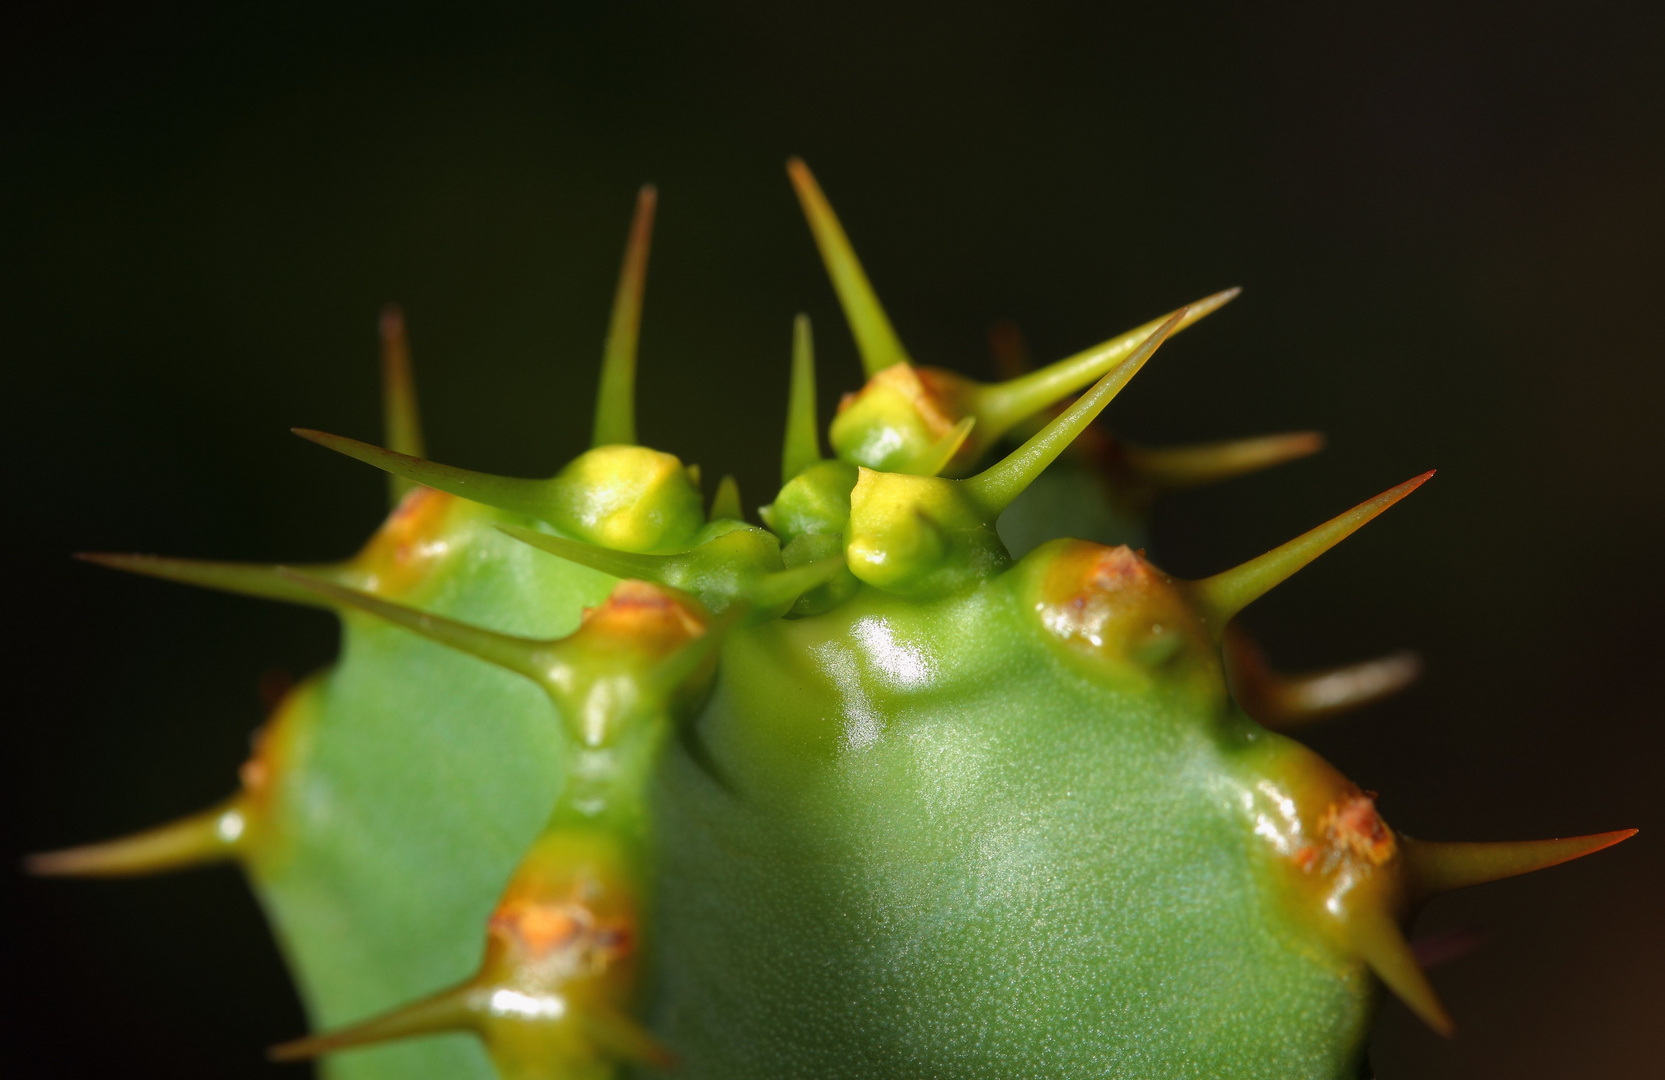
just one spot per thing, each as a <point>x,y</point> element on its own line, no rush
<point>935,774</point>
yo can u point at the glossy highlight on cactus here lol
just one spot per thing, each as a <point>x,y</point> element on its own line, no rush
<point>916,779</point>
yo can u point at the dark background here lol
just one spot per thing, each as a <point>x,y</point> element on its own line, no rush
<point>1448,226</point>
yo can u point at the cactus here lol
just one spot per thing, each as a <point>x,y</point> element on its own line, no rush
<point>935,774</point>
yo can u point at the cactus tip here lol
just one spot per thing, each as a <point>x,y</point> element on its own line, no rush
<point>725,504</point>
<point>876,340</point>
<point>521,496</point>
<point>202,839</point>
<point>391,324</point>
<point>1225,594</point>
<point>401,418</point>
<point>1437,867</point>
<point>802,447</point>
<point>1213,302</point>
<point>1282,702</point>
<point>1025,393</point>
<point>1176,468</point>
<point>615,410</point>
<point>244,579</point>
<point>1380,943</point>
<point>997,486</point>
<point>449,1010</point>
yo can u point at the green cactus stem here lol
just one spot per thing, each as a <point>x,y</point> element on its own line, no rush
<point>909,781</point>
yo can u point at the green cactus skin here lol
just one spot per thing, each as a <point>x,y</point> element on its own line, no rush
<point>910,783</point>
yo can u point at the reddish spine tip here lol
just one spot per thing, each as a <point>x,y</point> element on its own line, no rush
<point>392,323</point>
<point>1438,867</point>
<point>1395,494</point>
<point>641,226</point>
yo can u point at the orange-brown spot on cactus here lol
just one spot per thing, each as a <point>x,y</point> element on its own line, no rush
<point>569,914</point>
<point>540,931</point>
<point>615,667</point>
<point>1337,867</point>
<point>1352,825</point>
<point>646,615</point>
<point>897,417</point>
<point>1324,832</point>
<point>554,992</point>
<point>405,548</point>
<point>1111,606</point>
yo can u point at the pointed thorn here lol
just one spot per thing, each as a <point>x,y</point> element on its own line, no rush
<point>803,441</point>
<point>997,486</point>
<point>875,338</point>
<point>203,839</point>
<point>1381,944</point>
<point>1176,468</point>
<point>1002,406</point>
<point>620,564</point>
<point>936,457</point>
<point>401,419</point>
<point>449,1010</point>
<point>615,408</point>
<point>725,504</point>
<point>1225,594</point>
<point>524,656</point>
<point>520,496</point>
<point>244,579</point>
<point>1283,702</point>
<point>1436,867</point>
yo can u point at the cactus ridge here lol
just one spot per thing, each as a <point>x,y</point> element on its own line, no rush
<point>911,738</point>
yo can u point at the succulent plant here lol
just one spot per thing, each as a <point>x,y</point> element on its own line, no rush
<point>935,773</point>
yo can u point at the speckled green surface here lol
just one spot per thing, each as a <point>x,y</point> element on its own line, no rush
<point>940,852</point>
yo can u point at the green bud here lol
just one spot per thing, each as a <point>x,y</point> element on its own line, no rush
<point>628,498</point>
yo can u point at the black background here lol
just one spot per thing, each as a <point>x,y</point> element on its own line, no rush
<point>1447,220</point>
